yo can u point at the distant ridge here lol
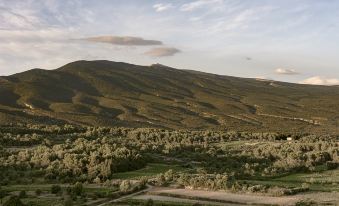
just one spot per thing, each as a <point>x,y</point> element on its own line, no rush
<point>106,93</point>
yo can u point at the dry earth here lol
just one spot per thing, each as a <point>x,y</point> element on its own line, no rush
<point>187,195</point>
<point>181,200</point>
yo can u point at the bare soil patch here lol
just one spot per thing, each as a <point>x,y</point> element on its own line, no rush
<point>225,197</point>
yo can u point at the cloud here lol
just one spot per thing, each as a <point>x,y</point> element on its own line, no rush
<point>124,40</point>
<point>10,20</point>
<point>162,52</point>
<point>162,7</point>
<point>239,21</point>
<point>318,80</point>
<point>198,4</point>
<point>286,71</point>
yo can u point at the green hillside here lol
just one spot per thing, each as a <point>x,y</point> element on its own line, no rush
<point>120,94</point>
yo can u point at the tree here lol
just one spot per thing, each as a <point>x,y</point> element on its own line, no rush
<point>161,180</point>
<point>69,190</point>
<point>22,194</point>
<point>149,202</point>
<point>3,194</point>
<point>169,175</point>
<point>125,186</point>
<point>68,202</point>
<point>13,201</point>
<point>38,192</point>
<point>55,189</point>
<point>78,189</point>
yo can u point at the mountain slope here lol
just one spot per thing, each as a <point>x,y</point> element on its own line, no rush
<point>120,94</point>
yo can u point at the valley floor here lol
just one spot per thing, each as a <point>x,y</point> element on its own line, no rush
<point>61,166</point>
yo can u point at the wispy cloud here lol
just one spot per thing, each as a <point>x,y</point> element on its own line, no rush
<point>199,4</point>
<point>211,32</point>
<point>238,21</point>
<point>162,7</point>
<point>123,40</point>
<point>162,52</point>
<point>11,20</point>
<point>285,71</point>
<point>318,80</point>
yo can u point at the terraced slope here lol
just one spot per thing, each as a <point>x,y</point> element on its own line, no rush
<point>121,94</point>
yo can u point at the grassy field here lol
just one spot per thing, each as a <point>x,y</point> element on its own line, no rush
<point>325,181</point>
<point>52,201</point>
<point>330,176</point>
<point>151,169</point>
<point>47,188</point>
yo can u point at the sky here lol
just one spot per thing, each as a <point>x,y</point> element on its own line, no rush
<point>284,40</point>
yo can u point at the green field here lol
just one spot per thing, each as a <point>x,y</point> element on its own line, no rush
<point>51,201</point>
<point>325,181</point>
<point>47,188</point>
<point>150,170</point>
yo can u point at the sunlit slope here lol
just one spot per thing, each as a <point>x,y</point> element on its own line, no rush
<point>120,94</point>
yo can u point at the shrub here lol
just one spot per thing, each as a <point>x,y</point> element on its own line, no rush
<point>331,165</point>
<point>78,189</point>
<point>13,201</point>
<point>22,194</point>
<point>149,202</point>
<point>68,202</point>
<point>38,192</point>
<point>55,189</point>
<point>306,203</point>
<point>125,186</point>
<point>3,194</point>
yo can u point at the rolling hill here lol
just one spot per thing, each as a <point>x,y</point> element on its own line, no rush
<point>119,94</point>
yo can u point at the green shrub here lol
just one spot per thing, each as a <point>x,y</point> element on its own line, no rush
<point>22,194</point>
<point>68,202</point>
<point>55,189</point>
<point>77,189</point>
<point>306,203</point>
<point>13,201</point>
<point>331,165</point>
<point>38,192</point>
<point>149,202</point>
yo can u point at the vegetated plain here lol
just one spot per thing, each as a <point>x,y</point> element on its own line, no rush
<point>74,165</point>
<point>108,133</point>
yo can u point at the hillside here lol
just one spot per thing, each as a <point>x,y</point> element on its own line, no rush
<point>120,94</point>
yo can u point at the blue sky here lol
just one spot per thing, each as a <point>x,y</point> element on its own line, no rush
<point>286,40</point>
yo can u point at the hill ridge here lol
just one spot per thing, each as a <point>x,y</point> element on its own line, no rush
<point>120,94</point>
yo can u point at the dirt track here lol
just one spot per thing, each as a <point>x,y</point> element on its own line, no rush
<point>181,200</point>
<point>221,198</point>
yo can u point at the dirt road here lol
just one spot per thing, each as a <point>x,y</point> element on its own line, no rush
<point>225,197</point>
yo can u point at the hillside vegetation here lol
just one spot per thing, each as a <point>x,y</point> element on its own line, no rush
<point>104,93</point>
